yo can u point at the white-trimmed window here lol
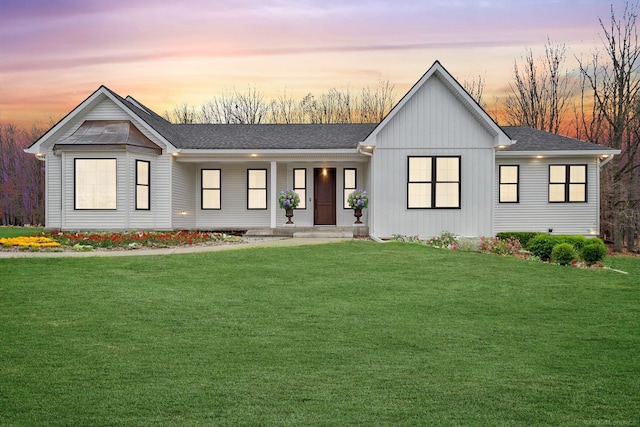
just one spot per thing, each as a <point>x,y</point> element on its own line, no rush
<point>256,189</point>
<point>95,183</point>
<point>509,176</point>
<point>433,182</point>
<point>349,182</point>
<point>567,183</point>
<point>143,187</point>
<point>300,186</point>
<point>210,193</point>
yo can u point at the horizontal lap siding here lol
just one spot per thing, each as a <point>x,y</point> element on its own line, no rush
<point>234,212</point>
<point>97,219</point>
<point>158,217</point>
<point>432,123</point>
<point>535,213</point>
<point>53,184</point>
<point>184,188</point>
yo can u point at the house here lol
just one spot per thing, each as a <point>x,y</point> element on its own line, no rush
<point>436,162</point>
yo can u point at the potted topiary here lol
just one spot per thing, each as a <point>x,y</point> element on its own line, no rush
<point>357,201</point>
<point>289,200</point>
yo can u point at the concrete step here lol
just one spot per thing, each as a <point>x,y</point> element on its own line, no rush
<point>324,234</point>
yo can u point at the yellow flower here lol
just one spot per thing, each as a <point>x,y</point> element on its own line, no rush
<point>29,241</point>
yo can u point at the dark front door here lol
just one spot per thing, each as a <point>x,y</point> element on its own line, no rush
<point>324,199</point>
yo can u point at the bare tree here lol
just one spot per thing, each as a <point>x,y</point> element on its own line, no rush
<point>375,103</point>
<point>539,96</point>
<point>612,86</point>
<point>182,114</point>
<point>475,88</point>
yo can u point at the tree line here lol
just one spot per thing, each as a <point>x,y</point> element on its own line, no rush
<point>598,101</point>
<point>250,106</point>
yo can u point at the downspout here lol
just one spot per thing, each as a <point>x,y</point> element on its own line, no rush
<point>607,160</point>
<point>374,238</point>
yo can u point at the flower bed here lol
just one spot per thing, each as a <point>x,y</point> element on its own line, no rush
<point>28,242</point>
<point>83,241</point>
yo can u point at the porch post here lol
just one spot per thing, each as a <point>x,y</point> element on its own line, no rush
<point>274,193</point>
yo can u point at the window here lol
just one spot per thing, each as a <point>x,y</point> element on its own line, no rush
<point>509,184</point>
<point>567,183</point>
<point>256,189</point>
<point>143,178</point>
<point>95,183</point>
<point>349,186</point>
<point>300,186</point>
<point>433,183</point>
<point>210,179</point>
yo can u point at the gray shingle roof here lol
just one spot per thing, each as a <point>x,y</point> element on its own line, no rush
<point>272,136</point>
<point>529,139</point>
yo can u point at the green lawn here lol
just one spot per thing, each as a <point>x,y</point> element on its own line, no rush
<point>353,333</point>
<point>19,231</point>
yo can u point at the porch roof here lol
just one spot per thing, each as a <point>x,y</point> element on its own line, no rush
<point>271,136</point>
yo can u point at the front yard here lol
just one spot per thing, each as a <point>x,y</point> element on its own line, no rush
<point>354,333</point>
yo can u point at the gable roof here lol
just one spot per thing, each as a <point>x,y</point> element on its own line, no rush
<point>458,91</point>
<point>529,140</point>
<point>152,122</point>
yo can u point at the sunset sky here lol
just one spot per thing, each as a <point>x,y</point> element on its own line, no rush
<point>55,53</point>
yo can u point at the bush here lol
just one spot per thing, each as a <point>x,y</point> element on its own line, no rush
<point>563,254</point>
<point>521,236</point>
<point>594,252</point>
<point>542,245</point>
<point>495,245</point>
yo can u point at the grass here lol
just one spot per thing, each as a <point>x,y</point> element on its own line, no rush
<point>355,333</point>
<point>19,231</point>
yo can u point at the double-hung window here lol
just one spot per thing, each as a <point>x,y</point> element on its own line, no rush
<point>349,186</point>
<point>256,189</point>
<point>509,191</point>
<point>433,182</point>
<point>143,179</point>
<point>300,186</point>
<point>211,193</point>
<point>567,183</point>
<point>95,183</point>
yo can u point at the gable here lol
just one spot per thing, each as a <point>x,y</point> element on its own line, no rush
<point>438,105</point>
<point>99,106</point>
<point>434,117</point>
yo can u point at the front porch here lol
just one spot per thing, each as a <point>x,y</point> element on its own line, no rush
<point>315,231</point>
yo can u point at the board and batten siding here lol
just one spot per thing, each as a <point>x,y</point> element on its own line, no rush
<point>434,122</point>
<point>534,212</point>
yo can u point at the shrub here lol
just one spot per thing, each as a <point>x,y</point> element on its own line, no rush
<point>495,245</point>
<point>594,252</point>
<point>542,245</point>
<point>563,253</point>
<point>446,240</point>
<point>521,236</point>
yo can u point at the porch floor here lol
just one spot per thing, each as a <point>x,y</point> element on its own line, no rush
<point>316,231</point>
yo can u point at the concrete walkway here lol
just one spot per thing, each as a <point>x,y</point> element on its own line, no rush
<point>248,243</point>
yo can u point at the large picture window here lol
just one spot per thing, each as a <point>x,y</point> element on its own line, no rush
<point>433,182</point>
<point>211,195</point>
<point>256,189</point>
<point>95,183</point>
<point>509,184</point>
<point>300,186</point>
<point>143,178</point>
<point>567,183</point>
<point>349,186</point>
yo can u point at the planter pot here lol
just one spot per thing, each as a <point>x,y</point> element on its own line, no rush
<point>357,213</point>
<point>289,214</point>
